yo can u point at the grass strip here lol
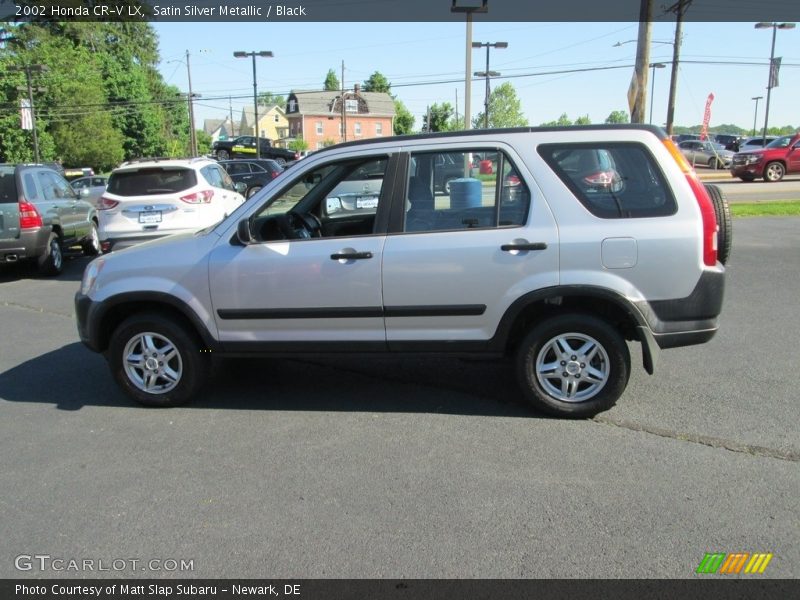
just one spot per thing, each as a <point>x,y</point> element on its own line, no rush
<point>777,208</point>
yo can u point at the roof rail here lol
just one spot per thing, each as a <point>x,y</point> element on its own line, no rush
<point>133,161</point>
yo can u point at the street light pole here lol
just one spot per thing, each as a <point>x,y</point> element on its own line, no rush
<point>192,132</point>
<point>264,54</point>
<point>653,87</point>
<point>773,72</point>
<point>469,10</point>
<point>487,74</point>
<point>755,113</point>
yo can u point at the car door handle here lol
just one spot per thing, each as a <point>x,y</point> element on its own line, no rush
<point>351,255</point>
<point>523,246</point>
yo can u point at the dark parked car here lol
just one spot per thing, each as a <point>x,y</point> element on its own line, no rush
<point>245,147</point>
<point>255,173</point>
<point>40,215</point>
<point>731,142</point>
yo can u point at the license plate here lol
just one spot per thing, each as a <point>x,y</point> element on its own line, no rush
<point>368,202</point>
<point>153,216</point>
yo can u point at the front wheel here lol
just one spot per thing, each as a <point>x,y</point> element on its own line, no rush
<point>773,172</point>
<point>223,155</point>
<point>573,365</point>
<point>157,361</point>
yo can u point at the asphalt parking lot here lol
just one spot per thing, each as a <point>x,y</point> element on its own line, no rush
<point>408,468</point>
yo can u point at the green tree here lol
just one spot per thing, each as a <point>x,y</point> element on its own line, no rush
<point>505,109</point>
<point>403,119</point>
<point>332,82</point>
<point>203,142</point>
<point>377,82</point>
<point>584,120</point>
<point>298,145</point>
<point>270,99</point>
<point>618,116</point>
<point>563,121</point>
<point>440,115</point>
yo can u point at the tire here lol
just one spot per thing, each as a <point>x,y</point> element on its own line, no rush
<point>52,261</point>
<point>176,369</point>
<point>91,247</point>
<point>223,155</point>
<point>714,164</point>
<point>253,190</point>
<point>774,171</point>
<point>591,391</point>
<point>723,213</point>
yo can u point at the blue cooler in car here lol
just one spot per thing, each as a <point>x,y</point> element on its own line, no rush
<point>465,193</point>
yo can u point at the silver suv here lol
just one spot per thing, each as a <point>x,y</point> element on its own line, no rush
<point>607,236</point>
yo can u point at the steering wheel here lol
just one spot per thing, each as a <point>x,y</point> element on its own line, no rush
<point>298,226</point>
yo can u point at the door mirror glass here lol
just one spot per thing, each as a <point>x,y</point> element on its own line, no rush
<point>241,187</point>
<point>243,233</point>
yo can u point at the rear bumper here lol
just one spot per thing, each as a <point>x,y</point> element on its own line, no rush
<point>31,243</point>
<point>691,320</point>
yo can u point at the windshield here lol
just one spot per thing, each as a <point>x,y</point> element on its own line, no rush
<point>781,142</point>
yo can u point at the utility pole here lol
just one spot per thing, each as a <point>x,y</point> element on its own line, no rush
<point>469,10</point>
<point>488,75</point>
<point>192,132</point>
<point>637,93</point>
<point>264,54</point>
<point>29,89</point>
<point>230,109</point>
<point>344,112</point>
<point>679,8</point>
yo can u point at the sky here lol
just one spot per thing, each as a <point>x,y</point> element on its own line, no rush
<point>415,56</point>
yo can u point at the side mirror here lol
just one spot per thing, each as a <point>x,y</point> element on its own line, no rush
<point>241,187</point>
<point>243,233</point>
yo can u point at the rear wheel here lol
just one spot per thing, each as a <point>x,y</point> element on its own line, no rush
<point>157,361</point>
<point>774,171</point>
<point>714,164</point>
<point>52,262</point>
<point>724,220</point>
<point>573,365</point>
<point>253,190</point>
<point>223,154</point>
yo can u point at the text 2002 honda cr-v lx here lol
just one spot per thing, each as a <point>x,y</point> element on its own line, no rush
<point>563,245</point>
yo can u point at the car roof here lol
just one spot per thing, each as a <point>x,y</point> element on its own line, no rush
<point>140,163</point>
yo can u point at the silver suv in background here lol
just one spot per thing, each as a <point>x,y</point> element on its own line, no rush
<point>41,216</point>
<point>609,236</point>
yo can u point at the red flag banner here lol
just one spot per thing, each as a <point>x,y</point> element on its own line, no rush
<point>706,117</point>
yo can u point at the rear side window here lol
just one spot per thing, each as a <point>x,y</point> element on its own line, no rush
<point>157,180</point>
<point>613,181</point>
<point>8,186</point>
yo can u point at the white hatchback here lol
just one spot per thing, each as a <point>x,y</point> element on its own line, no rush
<point>151,198</point>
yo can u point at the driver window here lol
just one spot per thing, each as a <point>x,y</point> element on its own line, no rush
<point>338,199</point>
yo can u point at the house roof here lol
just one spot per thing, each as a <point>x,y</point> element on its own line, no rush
<point>379,104</point>
<point>212,125</point>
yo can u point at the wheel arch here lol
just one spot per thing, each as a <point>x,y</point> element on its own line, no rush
<point>608,305</point>
<point>116,309</point>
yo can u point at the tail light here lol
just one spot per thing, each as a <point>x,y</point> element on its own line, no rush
<point>106,203</point>
<point>297,156</point>
<point>275,174</point>
<point>703,200</point>
<point>29,217</point>
<point>600,178</point>
<point>203,197</point>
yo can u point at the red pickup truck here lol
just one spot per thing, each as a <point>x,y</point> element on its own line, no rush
<point>772,162</point>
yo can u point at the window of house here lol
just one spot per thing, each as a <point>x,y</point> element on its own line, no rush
<point>292,106</point>
<point>351,105</point>
<point>469,189</point>
<point>277,118</point>
<point>357,128</point>
<point>378,129</point>
<point>319,127</point>
<point>613,181</point>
